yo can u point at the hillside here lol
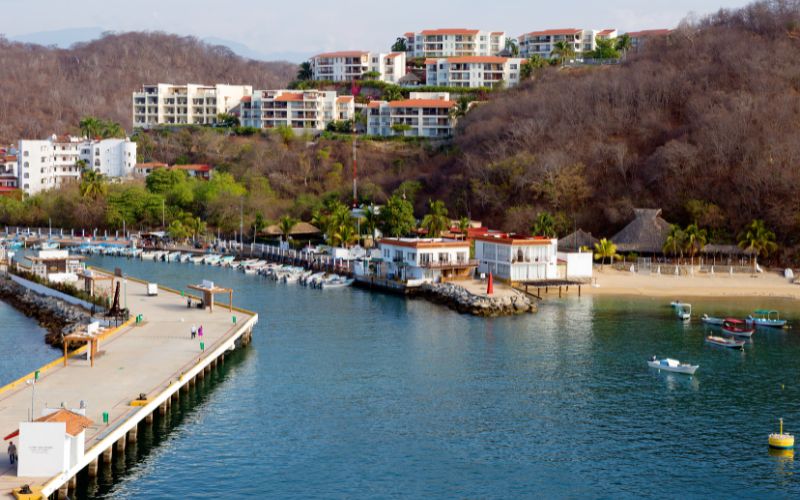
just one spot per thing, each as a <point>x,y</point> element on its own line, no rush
<point>703,123</point>
<point>47,90</point>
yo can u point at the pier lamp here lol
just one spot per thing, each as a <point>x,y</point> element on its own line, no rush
<point>32,383</point>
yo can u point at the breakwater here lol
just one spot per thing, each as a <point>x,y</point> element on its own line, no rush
<point>462,300</point>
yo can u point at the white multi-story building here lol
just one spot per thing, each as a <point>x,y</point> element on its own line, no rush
<point>512,258</point>
<point>352,64</point>
<point>168,104</point>
<point>424,114</point>
<point>8,169</point>
<point>473,71</point>
<point>542,43</point>
<point>297,109</point>
<point>50,163</point>
<point>454,42</point>
<point>416,261</point>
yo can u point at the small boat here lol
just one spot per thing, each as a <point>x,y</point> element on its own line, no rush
<point>766,317</point>
<point>226,260</point>
<point>336,282</point>
<point>197,259</point>
<point>723,342</point>
<point>683,310</point>
<point>148,255</point>
<point>173,257</point>
<point>672,365</point>
<point>211,259</point>
<point>185,257</point>
<point>710,320</point>
<point>737,328</point>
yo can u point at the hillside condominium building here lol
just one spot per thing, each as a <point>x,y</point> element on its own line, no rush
<point>297,109</point>
<point>50,163</point>
<point>454,42</point>
<point>423,114</point>
<point>473,71</point>
<point>191,104</point>
<point>348,65</point>
<point>542,43</point>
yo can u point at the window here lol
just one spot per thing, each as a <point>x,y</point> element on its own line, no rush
<point>27,175</point>
<point>26,164</point>
<point>24,153</point>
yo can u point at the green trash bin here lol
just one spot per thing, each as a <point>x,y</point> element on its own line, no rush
<point>105,417</point>
<point>234,320</point>
<point>202,346</point>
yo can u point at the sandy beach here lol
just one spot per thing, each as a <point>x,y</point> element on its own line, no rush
<point>767,284</point>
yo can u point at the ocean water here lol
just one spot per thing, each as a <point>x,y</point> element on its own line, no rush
<point>22,347</point>
<point>351,394</point>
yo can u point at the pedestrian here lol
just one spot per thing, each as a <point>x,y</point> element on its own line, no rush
<point>194,332</point>
<point>12,452</point>
<point>200,331</point>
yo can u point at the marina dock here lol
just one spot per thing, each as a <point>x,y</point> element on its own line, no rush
<point>154,358</point>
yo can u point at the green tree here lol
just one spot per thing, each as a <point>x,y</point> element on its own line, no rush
<point>605,49</point>
<point>285,225</point>
<point>177,231</point>
<point>563,51</point>
<point>400,45</point>
<point>694,239</point>
<point>392,93</point>
<point>624,44</point>
<point>163,180</point>
<point>227,120</point>
<point>529,66</point>
<point>604,249</point>
<point>759,240</point>
<point>408,190</point>
<point>90,127</point>
<point>400,128</point>
<point>397,217</point>
<point>545,225</point>
<point>345,234</point>
<point>675,242</point>
<point>370,75</point>
<point>93,184</point>
<point>305,72</point>
<point>258,225</point>
<point>436,220</point>
<point>462,106</point>
<point>463,227</point>
<point>371,222</point>
<point>511,47</point>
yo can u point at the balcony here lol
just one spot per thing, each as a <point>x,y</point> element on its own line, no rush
<point>457,264</point>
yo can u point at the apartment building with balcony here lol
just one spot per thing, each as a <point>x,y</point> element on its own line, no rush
<point>454,42</point>
<point>300,110</point>
<point>419,260</point>
<point>191,104</point>
<point>473,71</point>
<point>348,65</point>
<point>51,163</point>
<point>8,168</point>
<point>542,43</point>
<point>424,114</point>
<point>513,258</point>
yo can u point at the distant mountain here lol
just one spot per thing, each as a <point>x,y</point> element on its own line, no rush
<point>245,51</point>
<point>62,39</point>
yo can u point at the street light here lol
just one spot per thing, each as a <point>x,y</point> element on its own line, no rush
<point>32,383</point>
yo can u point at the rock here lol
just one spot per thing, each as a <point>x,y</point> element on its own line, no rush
<point>459,298</point>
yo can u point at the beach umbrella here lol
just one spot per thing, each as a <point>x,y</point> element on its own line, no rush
<point>490,286</point>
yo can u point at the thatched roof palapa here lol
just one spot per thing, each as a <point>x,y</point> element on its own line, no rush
<point>299,229</point>
<point>576,240</point>
<point>646,233</point>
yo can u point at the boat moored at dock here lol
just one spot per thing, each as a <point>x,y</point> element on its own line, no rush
<point>767,318</point>
<point>737,328</point>
<point>725,342</point>
<point>672,365</point>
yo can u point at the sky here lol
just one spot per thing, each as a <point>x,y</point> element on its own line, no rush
<point>310,26</point>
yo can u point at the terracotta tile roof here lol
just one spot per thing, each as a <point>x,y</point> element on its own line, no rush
<point>506,239</point>
<point>375,104</point>
<point>289,96</point>
<point>639,34</point>
<point>561,31</point>
<point>151,164</point>
<point>343,53</point>
<point>450,31</point>
<point>498,32</point>
<point>408,34</point>
<point>424,243</point>
<point>196,168</point>
<point>344,98</point>
<point>422,103</point>
<point>8,189</point>
<point>395,54</point>
<point>247,98</point>
<point>76,423</point>
<point>606,32</point>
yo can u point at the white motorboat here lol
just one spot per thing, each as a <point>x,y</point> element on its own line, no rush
<point>211,259</point>
<point>173,257</point>
<point>338,282</point>
<point>723,342</point>
<point>198,259</point>
<point>148,255</point>
<point>710,320</point>
<point>766,317</point>
<point>683,310</point>
<point>185,257</point>
<point>672,365</point>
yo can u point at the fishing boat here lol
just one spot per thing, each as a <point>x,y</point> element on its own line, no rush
<point>672,365</point>
<point>226,260</point>
<point>723,342</point>
<point>710,320</point>
<point>737,328</point>
<point>337,282</point>
<point>766,317</point>
<point>211,259</point>
<point>683,310</point>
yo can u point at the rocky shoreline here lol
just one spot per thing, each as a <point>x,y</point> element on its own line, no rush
<point>460,299</point>
<point>58,317</point>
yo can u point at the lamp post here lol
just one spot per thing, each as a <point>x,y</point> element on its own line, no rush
<point>125,286</point>
<point>32,383</point>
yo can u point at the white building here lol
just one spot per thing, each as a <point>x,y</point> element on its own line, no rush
<point>300,110</point>
<point>168,104</point>
<point>50,163</point>
<point>8,170</point>
<point>348,65</point>
<point>51,444</point>
<point>454,42</point>
<point>56,266</point>
<point>473,71</point>
<point>512,258</point>
<point>424,114</point>
<point>542,43</point>
<point>416,261</point>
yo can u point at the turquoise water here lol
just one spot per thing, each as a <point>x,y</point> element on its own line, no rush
<point>346,393</point>
<point>22,347</point>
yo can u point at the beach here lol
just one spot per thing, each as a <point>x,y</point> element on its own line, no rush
<point>767,284</point>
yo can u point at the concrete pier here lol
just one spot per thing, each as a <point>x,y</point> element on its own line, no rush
<point>157,358</point>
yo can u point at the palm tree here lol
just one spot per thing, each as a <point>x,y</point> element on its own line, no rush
<point>511,47</point>
<point>605,249</point>
<point>90,127</point>
<point>461,107</point>
<point>563,51</point>
<point>93,184</point>
<point>436,220</point>
<point>463,226</point>
<point>759,240</point>
<point>624,44</point>
<point>545,225</point>
<point>675,241</point>
<point>345,234</point>
<point>304,72</point>
<point>285,226</point>
<point>400,45</point>
<point>694,239</point>
<point>371,221</point>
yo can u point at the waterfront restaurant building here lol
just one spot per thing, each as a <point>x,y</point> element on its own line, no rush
<point>514,258</point>
<point>421,260</point>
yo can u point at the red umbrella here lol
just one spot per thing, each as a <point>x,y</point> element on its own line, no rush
<point>490,286</point>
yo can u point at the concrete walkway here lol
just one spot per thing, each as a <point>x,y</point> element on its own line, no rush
<point>137,359</point>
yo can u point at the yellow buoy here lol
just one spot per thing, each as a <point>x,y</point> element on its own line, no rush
<point>781,441</point>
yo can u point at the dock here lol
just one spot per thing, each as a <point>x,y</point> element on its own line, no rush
<point>140,369</point>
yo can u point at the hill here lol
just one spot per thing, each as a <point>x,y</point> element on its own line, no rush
<point>702,123</point>
<point>47,90</point>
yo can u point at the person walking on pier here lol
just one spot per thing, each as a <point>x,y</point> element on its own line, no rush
<point>194,332</point>
<point>12,452</point>
<point>200,331</point>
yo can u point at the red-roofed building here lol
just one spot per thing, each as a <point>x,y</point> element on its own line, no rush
<point>513,258</point>
<point>300,110</point>
<point>542,43</point>
<point>424,114</point>
<point>451,42</point>
<point>350,65</point>
<point>473,71</point>
<point>199,171</point>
